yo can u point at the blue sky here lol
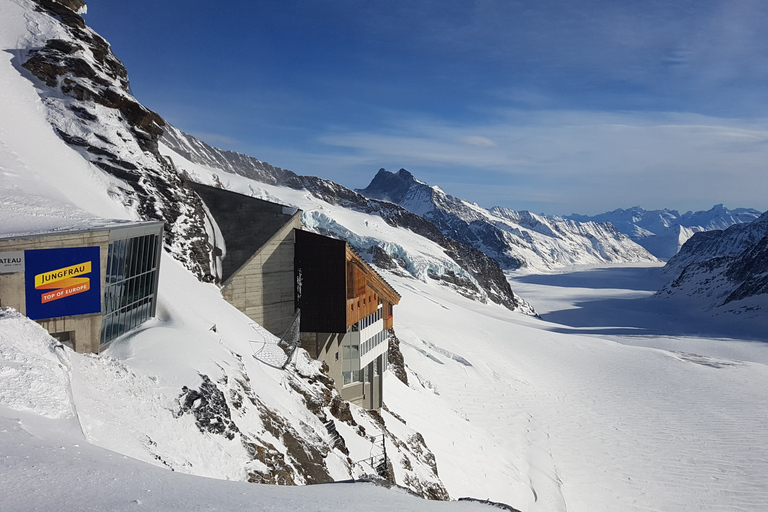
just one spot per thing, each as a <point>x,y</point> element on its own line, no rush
<point>552,106</point>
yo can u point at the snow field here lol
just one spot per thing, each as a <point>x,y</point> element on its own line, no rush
<point>585,423</point>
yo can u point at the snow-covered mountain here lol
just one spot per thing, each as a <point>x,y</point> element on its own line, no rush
<point>443,258</point>
<point>514,238</point>
<point>545,416</point>
<point>725,270</point>
<point>663,232</point>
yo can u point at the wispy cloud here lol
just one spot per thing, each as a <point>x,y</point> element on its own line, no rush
<point>581,158</point>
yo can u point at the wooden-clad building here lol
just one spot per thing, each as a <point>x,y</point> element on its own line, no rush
<point>346,311</point>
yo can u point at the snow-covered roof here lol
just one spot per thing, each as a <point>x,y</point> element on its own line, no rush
<point>93,225</point>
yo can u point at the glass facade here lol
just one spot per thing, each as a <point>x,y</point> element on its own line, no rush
<point>130,286</point>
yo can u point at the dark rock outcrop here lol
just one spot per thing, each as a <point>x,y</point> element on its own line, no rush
<point>395,358</point>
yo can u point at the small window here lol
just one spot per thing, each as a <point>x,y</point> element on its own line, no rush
<point>66,337</point>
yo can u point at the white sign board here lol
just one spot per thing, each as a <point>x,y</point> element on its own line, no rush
<point>11,262</point>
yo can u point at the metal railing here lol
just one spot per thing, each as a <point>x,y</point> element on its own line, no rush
<point>278,355</point>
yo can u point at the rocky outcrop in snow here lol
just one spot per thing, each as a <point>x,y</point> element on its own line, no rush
<point>515,239</point>
<point>85,89</point>
<point>725,269</point>
<point>663,232</point>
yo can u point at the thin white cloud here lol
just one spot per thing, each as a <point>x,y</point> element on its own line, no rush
<point>478,141</point>
<point>584,158</point>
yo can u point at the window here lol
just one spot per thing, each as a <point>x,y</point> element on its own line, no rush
<point>131,281</point>
<point>350,355</point>
<point>66,337</point>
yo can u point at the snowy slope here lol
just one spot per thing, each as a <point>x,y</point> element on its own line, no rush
<point>663,232</point>
<point>50,460</point>
<point>515,239</point>
<point>581,423</point>
<point>551,417</point>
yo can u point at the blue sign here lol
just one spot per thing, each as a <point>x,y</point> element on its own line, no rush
<point>62,282</point>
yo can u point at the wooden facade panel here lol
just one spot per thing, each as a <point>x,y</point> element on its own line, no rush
<point>365,290</point>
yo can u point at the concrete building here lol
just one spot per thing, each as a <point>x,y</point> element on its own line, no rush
<point>253,254</point>
<point>86,287</point>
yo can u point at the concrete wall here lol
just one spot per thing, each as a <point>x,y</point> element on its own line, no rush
<point>87,327</point>
<point>263,288</point>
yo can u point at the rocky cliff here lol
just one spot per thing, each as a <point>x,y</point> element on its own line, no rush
<point>85,90</point>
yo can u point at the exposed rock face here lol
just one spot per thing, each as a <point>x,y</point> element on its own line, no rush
<point>303,461</point>
<point>395,358</point>
<point>484,270</point>
<point>86,91</point>
<point>515,239</point>
<point>717,243</point>
<point>750,269</point>
<point>210,408</point>
<point>663,232</point>
<point>723,267</point>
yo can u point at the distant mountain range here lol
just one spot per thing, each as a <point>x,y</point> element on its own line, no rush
<point>663,232</point>
<point>514,238</point>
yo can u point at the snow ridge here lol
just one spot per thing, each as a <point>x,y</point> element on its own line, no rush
<point>663,232</point>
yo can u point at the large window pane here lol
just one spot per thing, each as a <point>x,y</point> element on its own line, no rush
<point>130,283</point>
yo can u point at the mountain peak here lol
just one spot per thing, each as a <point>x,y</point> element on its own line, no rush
<point>390,186</point>
<point>405,175</point>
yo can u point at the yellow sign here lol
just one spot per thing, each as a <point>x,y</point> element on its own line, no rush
<point>63,282</point>
<point>50,279</point>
